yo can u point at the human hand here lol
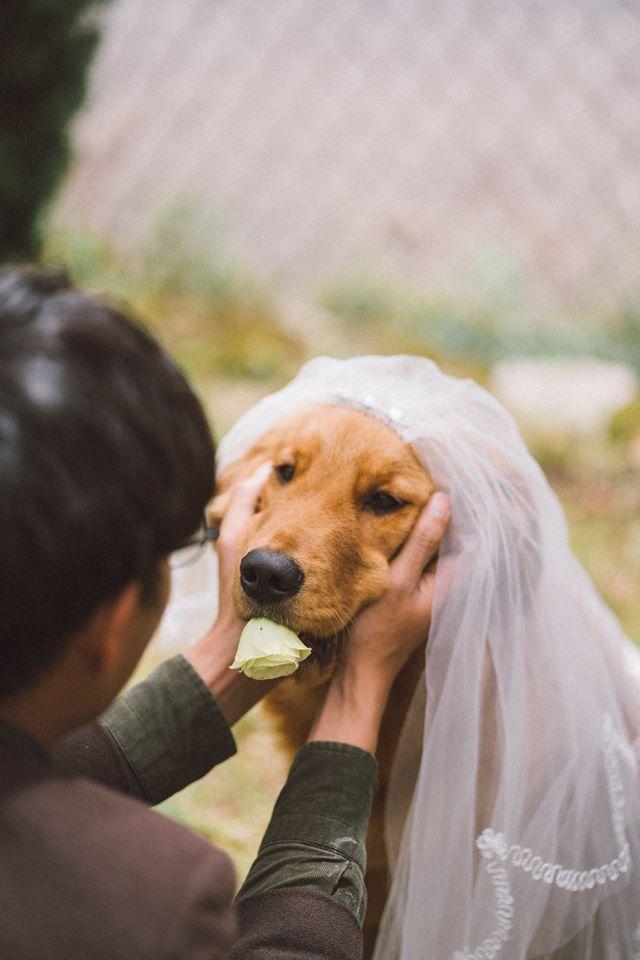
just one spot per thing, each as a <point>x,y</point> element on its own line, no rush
<point>212,655</point>
<point>384,636</point>
<point>241,506</point>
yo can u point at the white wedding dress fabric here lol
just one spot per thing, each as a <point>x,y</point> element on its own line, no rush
<point>513,813</point>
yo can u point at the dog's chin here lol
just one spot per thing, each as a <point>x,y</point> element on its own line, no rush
<point>325,640</point>
<point>324,650</point>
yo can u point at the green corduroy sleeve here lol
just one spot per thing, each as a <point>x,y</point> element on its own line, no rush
<point>169,730</point>
<point>316,837</point>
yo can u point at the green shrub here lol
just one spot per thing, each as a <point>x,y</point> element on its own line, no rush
<point>625,424</point>
<point>184,282</point>
<point>45,50</point>
<point>485,327</point>
<point>625,336</point>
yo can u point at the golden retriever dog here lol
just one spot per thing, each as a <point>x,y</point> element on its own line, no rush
<point>344,494</point>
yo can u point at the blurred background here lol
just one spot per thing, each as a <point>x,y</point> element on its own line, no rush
<point>266,180</point>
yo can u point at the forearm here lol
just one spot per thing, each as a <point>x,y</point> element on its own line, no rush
<point>353,708</point>
<point>155,739</point>
<point>316,837</point>
<point>169,730</point>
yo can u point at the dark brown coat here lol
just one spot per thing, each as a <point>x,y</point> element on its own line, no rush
<point>89,874</point>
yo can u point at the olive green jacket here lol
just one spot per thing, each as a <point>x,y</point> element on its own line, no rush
<point>167,732</point>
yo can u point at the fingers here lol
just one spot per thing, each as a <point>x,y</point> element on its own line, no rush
<point>423,542</point>
<point>242,504</point>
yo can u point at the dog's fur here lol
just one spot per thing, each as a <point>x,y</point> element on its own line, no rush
<point>325,518</point>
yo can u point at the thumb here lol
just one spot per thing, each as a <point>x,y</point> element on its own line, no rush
<point>423,542</point>
<point>242,504</point>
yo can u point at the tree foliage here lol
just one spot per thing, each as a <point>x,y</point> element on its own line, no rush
<point>45,50</point>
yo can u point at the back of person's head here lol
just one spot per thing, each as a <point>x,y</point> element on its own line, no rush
<point>106,464</point>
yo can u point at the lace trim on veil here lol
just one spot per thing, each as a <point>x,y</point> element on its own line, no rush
<point>496,850</point>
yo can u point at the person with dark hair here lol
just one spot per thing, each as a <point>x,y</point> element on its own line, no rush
<point>106,466</point>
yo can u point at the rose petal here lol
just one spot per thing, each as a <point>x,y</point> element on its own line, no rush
<point>268,650</point>
<point>258,670</point>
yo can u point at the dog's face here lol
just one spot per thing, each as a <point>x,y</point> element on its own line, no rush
<point>343,495</point>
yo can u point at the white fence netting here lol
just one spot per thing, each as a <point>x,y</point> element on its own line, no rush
<point>437,140</point>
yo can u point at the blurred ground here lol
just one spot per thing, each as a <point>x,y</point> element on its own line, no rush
<point>238,344</point>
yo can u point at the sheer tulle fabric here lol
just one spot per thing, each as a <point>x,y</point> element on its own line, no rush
<point>513,823</point>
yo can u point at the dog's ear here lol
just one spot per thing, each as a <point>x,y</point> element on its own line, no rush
<point>242,468</point>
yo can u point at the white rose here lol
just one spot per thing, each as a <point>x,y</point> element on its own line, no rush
<point>268,650</point>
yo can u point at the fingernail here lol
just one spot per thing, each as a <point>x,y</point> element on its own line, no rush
<point>439,505</point>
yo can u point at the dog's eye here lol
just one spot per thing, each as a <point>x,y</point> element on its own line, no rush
<point>285,472</point>
<point>382,503</point>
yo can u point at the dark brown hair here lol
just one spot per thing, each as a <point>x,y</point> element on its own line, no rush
<point>106,463</point>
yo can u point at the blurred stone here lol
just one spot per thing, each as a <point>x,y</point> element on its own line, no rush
<point>563,395</point>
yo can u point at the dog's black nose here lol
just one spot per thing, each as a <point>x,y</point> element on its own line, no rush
<point>269,576</point>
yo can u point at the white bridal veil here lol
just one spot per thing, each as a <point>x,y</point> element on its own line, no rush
<point>513,819</point>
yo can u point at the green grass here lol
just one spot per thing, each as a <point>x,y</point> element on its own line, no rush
<point>598,483</point>
<point>483,328</point>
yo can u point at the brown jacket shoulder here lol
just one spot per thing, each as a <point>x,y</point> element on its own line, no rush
<point>86,872</point>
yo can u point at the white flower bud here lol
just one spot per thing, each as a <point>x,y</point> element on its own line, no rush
<point>268,650</point>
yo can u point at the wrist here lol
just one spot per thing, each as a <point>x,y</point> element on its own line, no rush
<point>352,710</point>
<point>211,657</point>
<point>213,653</point>
<point>366,689</point>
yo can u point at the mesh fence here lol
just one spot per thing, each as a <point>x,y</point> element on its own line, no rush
<point>448,142</point>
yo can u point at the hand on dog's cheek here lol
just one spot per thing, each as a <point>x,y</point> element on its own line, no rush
<point>384,636</point>
<point>214,652</point>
